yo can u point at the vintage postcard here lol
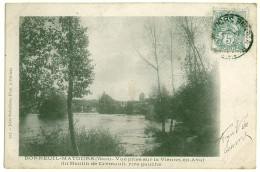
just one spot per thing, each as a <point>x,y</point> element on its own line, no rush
<point>130,85</point>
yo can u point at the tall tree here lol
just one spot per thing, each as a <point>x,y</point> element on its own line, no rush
<point>171,59</point>
<point>188,30</point>
<point>36,51</point>
<point>75,69</point>
<point>53,53</point>
<point>171,52</point>
<point>154,56</point>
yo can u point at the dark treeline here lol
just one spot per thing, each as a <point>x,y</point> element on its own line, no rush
<point>54,106</point>
<point>107,105</point>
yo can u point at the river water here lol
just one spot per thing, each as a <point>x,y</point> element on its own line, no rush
<point>130,129</point>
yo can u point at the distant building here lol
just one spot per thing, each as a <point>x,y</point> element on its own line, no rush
<point>141,97</point>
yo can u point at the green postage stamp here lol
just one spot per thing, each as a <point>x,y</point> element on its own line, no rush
<point>130,85</point>
<point>231,32</point>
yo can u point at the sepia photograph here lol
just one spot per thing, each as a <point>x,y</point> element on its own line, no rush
<point>109,86</point>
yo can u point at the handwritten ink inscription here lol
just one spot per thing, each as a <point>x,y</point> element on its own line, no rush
<point>234,135</point>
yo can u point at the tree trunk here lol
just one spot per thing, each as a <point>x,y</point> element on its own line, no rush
<point>70,91</point>
<point>160,101</point>
<point>173,89</point>
<point>163,124</point>
<point>171,125</point>
<point>200,59</point>
<point>71,122</point>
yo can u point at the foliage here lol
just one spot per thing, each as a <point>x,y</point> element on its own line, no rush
<point>99,142</point>
<point>75,66</point>
<point>195,107</point>
<point>74,62</point>
<point>129,108</point>
<point>151,130</point>
<point>197,104</point>
<point>94,142</point>
<point>107,105</point>
<point>162,104</point>
<point>45,57</point>
<point>81,105</point>
<point>184,144</point>
<point>53,53</point>
<point>189,31</point>
<point>36,63</point>
<point>53,106</point>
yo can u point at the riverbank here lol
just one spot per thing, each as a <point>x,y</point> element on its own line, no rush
<point>183,142</point>
<point>130,129</point>
<point>93,142</point>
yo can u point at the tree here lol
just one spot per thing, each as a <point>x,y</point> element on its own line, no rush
<point>196,102</point>
<point>188,30</point>
<point>75,69</point>
<point>53,106</point>
<point>154,57</point>
<point>129,108</point>
<point>36,52</point>
<point>106,103</point>
<point>171,51</point>
<point>171,59</point>
<point>54,54</point>
<point>163,106</point>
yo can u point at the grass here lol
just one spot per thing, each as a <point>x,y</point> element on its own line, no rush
<point>94,142</point>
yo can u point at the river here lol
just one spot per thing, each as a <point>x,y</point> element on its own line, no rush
<point>130,129</point>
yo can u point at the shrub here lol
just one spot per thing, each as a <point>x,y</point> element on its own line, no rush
<point>151,130</point>
<point>94,142</point>
<point>54,105</point>
<point>99,142</point>
<point>184,144</point>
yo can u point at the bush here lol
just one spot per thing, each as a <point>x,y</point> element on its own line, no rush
<point>184,144</point>
<point>53,106</point>
<point>171,145</point>
<point>151,130</point>
<point>94,142</point>
<point>99,142</point>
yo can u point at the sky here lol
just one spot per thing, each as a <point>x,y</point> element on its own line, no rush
<point>119,71</point>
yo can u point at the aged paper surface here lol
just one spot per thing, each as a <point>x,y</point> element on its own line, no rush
<point>173,85</point>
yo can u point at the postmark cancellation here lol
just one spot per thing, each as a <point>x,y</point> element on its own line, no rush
<point>231,33</point>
